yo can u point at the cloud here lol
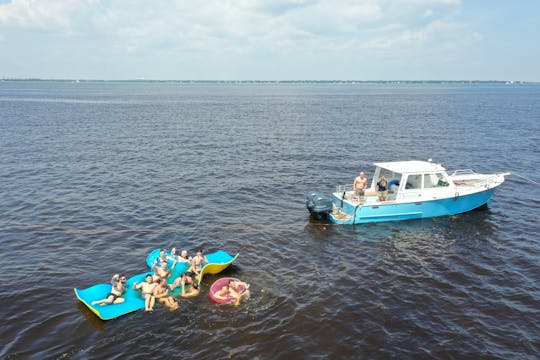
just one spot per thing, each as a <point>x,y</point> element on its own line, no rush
<point>242,31</point>
<point>54,15</point>
<point>228,23</point>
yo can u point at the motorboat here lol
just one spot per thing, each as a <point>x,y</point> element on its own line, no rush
<point>415,190</point>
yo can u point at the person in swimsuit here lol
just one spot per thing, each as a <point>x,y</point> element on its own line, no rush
<point>164,258</point>
<point>161,258</point>
<point>360,185</point>
<point>161,272</point>
<point>194,289</point>
<point>147,290</point>
<point>183,258</point>
<point>382,189</point>
<point>161,293</point>
<point>115,296</point>
<point>197,263</point>
<point>223,293</point>
<point>185,279</point>
<point>233,290</point>
<point>239,290</point>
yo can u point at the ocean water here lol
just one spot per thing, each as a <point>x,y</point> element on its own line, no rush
<point>95,175</point>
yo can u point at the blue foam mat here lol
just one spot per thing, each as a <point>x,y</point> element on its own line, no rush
<point>133,300</point>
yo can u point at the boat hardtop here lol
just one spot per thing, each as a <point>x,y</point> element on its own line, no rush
<point>410,166</point>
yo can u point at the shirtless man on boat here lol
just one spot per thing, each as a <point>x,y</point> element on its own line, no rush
<point>360,184</point>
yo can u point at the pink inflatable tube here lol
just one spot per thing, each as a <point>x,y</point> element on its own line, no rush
<point>216,286</point>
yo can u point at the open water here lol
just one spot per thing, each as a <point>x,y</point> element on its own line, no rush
<point>95,175</point>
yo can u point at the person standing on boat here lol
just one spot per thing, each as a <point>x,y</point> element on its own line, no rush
<point>360,185</point>
<point>382,189</point>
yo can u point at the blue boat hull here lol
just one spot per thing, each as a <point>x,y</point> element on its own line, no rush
<point>390,211</point>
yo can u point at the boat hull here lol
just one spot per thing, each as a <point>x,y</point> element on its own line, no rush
<point>393,211</point>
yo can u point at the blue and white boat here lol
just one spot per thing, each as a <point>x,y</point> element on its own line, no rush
<point>417,189</point>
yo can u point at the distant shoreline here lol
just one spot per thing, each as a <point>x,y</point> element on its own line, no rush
<point>508,82</point>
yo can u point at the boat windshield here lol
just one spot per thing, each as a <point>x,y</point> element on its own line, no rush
<point>389,175</point>
<point>434,181</point>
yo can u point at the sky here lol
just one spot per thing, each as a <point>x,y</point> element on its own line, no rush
<point>270,39</point>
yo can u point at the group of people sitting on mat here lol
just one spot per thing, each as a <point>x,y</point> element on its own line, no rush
<point>155,286</point>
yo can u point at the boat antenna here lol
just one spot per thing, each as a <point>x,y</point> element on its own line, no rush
<point>523,177</point>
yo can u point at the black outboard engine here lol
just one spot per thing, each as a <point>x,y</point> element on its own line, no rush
<point>318,205</point>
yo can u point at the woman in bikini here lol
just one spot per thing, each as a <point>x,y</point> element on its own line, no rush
<point>115,296</point>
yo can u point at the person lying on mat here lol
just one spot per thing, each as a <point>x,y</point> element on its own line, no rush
<point>115,296</point>
<point>147,289</point>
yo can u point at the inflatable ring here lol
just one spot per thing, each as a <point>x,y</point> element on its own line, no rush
<point>216,286</point>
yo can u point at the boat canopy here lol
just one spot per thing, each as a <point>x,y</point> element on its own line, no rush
<point>413,166</point>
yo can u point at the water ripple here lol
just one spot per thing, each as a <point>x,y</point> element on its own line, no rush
<point>95,175</point>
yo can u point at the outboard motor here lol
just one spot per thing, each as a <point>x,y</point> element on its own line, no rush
<point>318,205</point>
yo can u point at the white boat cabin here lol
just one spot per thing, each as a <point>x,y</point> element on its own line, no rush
<point>408,180</point>
<point>419,181</point>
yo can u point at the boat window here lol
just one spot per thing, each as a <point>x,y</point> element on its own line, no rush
<point>414,182</point>
<point>387,174</point>
<point>434,181</point>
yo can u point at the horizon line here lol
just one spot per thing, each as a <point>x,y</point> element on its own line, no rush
<point>396,81</point>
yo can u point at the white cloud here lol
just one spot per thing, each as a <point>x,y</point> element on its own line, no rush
<point>243,31</point>
<point>228,24</point>
<point>56,15</point>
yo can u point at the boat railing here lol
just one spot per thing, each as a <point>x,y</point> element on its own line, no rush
<point>344,188</point>
<point>462,172</point>
<point>488,181</point>
<point>480,182</point>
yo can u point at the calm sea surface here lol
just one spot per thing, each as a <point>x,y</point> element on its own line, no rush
<point>95,175</point>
